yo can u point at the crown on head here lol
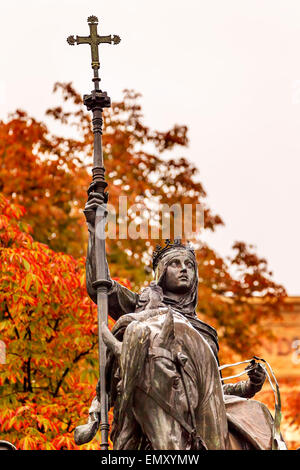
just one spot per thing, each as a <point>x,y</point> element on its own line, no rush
<point>159,251</point>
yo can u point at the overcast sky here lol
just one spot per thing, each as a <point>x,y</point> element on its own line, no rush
<point>228,69</point>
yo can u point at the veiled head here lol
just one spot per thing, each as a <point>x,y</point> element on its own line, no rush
<point>180,274</point>
<point>177,273</point>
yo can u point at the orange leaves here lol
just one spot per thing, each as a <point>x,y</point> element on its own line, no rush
<point>39,171</point>
<point>64,443</point>
<point>27,443</point>
<point>50,331</point>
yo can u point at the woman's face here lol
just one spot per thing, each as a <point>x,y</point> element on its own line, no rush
<point>180,274</point>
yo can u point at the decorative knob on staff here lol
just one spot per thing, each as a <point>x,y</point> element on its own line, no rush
<point>96,102</point>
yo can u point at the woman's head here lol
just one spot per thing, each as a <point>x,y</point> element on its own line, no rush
<point>180,274</point>
<point>176,272</point>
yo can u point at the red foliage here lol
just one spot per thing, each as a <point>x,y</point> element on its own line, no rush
<point>49,326</point>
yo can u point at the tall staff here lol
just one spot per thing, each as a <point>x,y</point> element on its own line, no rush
<point>96,102</point>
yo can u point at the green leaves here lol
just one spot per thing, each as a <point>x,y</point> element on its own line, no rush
<point>26,265</point>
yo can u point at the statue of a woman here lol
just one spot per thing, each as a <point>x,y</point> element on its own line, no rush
<point>175,285</point>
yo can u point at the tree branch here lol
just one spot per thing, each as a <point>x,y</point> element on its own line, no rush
<point>29,385</point>
<point>11,318</point>
<point>67,370</point>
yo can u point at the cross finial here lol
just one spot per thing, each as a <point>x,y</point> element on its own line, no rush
<point>94,40</point>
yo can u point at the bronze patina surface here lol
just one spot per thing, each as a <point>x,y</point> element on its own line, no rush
<point>162,370</point>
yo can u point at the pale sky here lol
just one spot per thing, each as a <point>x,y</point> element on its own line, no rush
<point>228,69</point>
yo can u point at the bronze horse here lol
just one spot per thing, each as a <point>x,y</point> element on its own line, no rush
<point>167,393</point>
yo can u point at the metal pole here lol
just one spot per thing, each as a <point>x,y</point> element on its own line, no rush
<point>96,102</point>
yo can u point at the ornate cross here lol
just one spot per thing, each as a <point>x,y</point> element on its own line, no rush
<point>94,40</point>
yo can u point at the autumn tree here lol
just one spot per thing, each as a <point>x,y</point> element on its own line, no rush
<point>40,172</point>
<point>49,326</point>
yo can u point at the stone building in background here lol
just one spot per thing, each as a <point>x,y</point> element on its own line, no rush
<point>283,354</point>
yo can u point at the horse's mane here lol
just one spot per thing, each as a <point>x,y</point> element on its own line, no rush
<point>122,323</point>
<point>186,336</point>
<point>154,318</point>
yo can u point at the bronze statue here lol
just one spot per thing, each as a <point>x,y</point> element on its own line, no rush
<point>162,374</point>
<point>162,369</point>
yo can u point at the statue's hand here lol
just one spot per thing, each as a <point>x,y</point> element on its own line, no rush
<point>86,432</point>
<point>257,375</point>
<point>96,200</point>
